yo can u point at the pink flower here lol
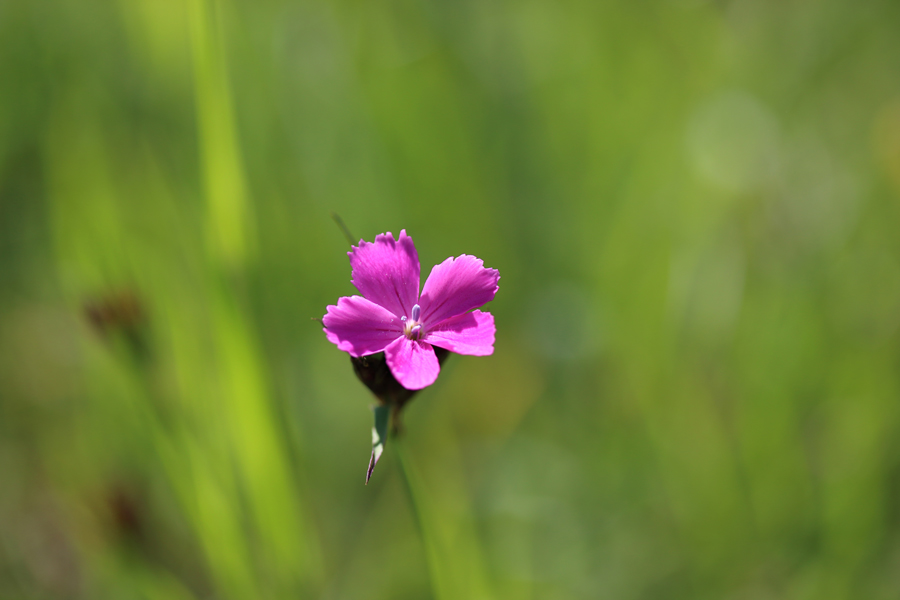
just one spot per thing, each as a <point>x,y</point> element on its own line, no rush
<point>392,317</point>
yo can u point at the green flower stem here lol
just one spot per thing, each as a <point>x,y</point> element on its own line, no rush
<point>418,503</point>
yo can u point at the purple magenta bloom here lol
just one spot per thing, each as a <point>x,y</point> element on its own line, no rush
<point>392,317</point>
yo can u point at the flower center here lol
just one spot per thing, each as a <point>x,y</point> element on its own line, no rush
<point>412,328</point>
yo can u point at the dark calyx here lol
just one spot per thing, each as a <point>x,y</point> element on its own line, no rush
<point>373,371</point>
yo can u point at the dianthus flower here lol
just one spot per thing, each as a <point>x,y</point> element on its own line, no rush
<point>392,317</point>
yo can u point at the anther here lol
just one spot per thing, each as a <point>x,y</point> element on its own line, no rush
<point>414,333</point>
<point>416,312</point>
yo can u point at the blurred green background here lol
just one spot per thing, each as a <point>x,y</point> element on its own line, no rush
<point>694,209</point>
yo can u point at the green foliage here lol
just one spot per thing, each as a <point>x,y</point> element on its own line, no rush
<point>693,206</point>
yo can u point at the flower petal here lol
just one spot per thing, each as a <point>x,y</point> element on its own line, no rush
<point>456,286</point>
<point>412,363</point>
<point>471,333</point>
<point>387,272</point>
<point>360,326</point>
